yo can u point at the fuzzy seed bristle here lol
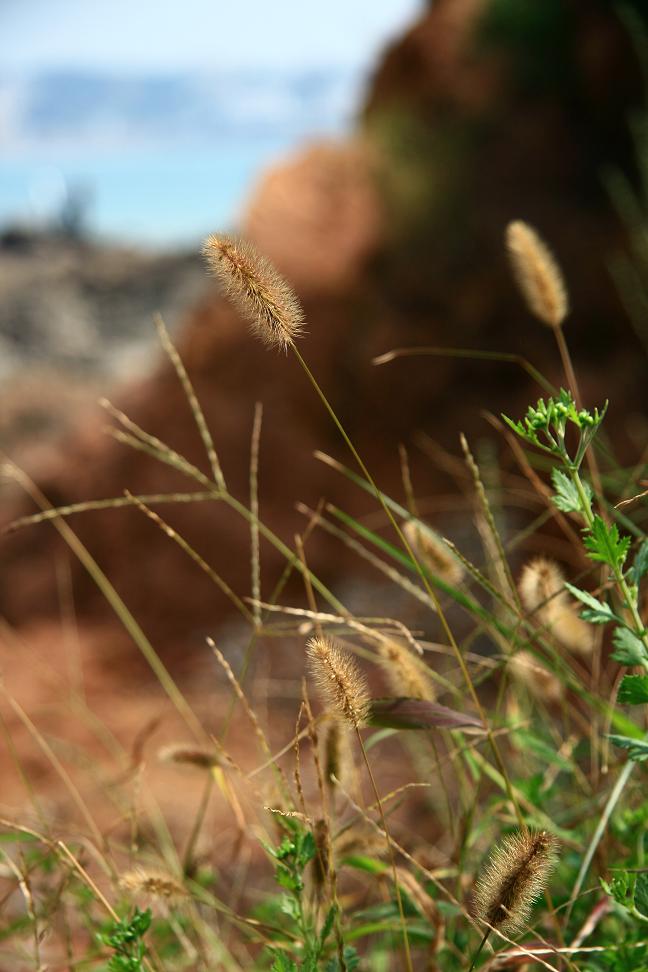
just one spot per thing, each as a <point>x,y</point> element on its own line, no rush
<point>201,757</point>
<point>262,296</point>
<point>405,674</point>
<point>152,884</point>
<point>515,874</point>
<point>537,274</point>
<point>541,580</point>
<point>341,685</point>
<point>433,552</point>
<point>542,590</point>
<point>543,684</point>
<point>569,628</point>
<point>336,751</point>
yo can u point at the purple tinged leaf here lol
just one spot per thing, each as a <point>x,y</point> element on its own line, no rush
<point>404,713</point>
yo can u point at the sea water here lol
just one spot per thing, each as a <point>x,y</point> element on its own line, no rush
<point>158,196</point>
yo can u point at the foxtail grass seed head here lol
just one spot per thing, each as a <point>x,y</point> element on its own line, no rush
<point>525,668</point>
<point>515,875</point>
<point>152,884</point>
<point>542,590</point>
<point>567,626</point>
<point>433,552</point>
<point>341,685</point>
<point>336,751</point>
<point>541,581</point>
<point>405,674</point>
<point>253,285</point>
<point>537,274</point>
<point>199,756</point>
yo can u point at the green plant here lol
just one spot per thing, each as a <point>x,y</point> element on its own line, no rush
<point>496,735</point>
<point>126,938</point>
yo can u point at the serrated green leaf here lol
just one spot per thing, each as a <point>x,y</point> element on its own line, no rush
<point>351,960</point>
<point>630,649</point>
<point>283,963</point>
<point>597,612</point>
<point>633,690</point>
<point>328,925</point>
<point>621,888</point>
<point>605,545</point>
<point>289,906</point>
<point>519,429</point>
<point>307,849</point>
<point>637,748</point>
<point>641,894</point>
<point>567,498</point>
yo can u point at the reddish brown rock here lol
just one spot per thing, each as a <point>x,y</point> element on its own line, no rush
<point>318,215</point>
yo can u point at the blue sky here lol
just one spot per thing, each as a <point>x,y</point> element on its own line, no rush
<point>169,190</point>
<point>136,35</point>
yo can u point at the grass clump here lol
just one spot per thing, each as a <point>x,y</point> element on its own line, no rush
<point>469,787</point>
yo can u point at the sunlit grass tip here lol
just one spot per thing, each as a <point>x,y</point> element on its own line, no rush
<point>516,873</point>
<point>539,681</point>
<point>152,883</point>
<point>433,553</point>
<point>542,590</point>
<point>537,274</point>
<point>341,685</point>
<point>259,292</point>
<point>405,673</point>
<point>202,757</point>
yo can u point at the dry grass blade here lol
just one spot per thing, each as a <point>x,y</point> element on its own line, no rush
<point>194,404</point>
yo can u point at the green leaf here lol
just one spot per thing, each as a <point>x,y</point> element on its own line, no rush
<point>633,690</point>
<point>351,960</point>
<point>597,612</point>
<point>567,498</point>
<point>641,894</point>
<point>529,741</point>
<point>283,963</point>
<point>640,565</point>
<point>637,748</point>
<point>328,925</point>
<point>630,891</point>
<point>17,837</point>
<point>630,649</point>
<point>307,849</point>
<point>620,887</point>
<point>519,429</point>
<point>289,906</point>
<point>605,545</point>
<point>363,863</point>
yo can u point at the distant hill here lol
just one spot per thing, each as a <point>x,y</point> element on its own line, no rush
<point>75,106</point>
